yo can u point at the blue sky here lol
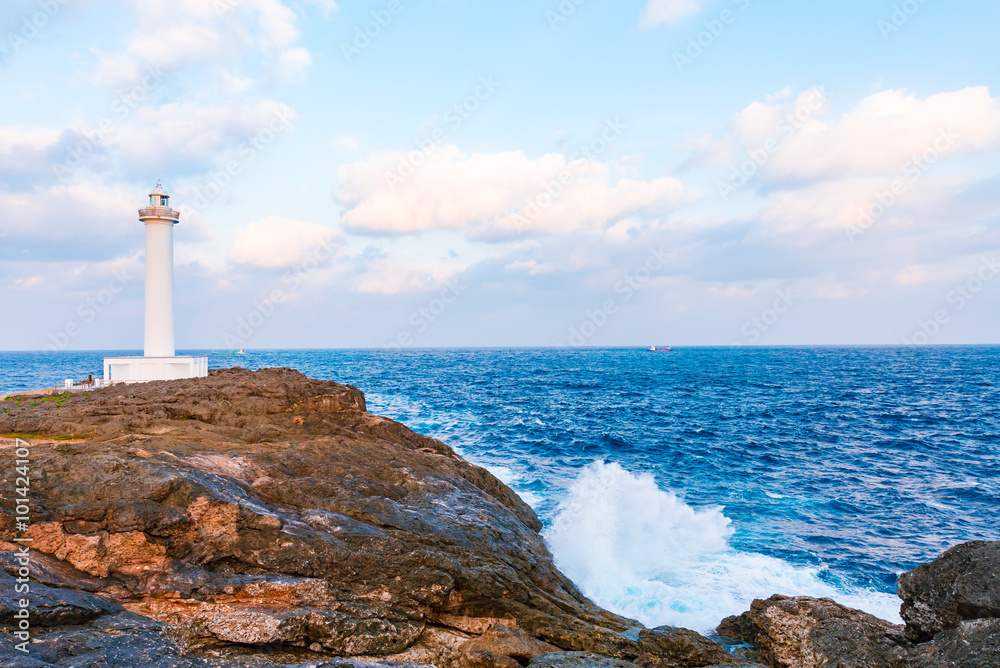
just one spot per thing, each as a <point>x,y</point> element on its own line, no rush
<point>425,186</point>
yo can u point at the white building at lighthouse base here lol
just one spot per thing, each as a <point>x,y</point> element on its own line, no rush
<point>145,369</point>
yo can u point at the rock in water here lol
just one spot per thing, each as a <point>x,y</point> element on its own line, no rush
<point>949,605</point>
<point>265,518</point>
<point>962,584</point>
<point>806,632</point>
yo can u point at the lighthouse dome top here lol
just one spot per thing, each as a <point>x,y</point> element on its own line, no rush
<point>159,208</point>
<point>159,196</point>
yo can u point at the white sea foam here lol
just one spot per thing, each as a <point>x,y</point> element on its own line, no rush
<point>507,476</point>
<point>643,553</point>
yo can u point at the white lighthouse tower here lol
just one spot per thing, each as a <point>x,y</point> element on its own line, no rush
<point>160,220</point>
<point>159,360</point>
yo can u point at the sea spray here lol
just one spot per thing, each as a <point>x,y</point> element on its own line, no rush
<point>644,553</point>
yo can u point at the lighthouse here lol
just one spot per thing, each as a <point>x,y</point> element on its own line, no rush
<point>159,219</point>
<point>159,360</point>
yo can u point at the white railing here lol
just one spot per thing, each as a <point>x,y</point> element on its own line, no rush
<point>158,212</point>
<point>87,384</point>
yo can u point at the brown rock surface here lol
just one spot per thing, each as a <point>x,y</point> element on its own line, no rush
<point>267,511</point>
<point>818,633</point>
<point>962,584</point>
<point>577,660</point>
<point>503,641</point>
<point>808,632</point>
<point>668,646</point>
<point>969,644</point>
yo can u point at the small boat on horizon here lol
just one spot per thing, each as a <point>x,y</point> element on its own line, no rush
<point>661,349</point>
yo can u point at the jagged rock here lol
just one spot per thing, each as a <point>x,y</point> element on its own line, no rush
<point>598,640</point>
<point>332,630</point>
<point>969,644</point>
<point>110,641</point>
<point>807,632</point>
<point>500,640</point>
<point>53,572</point>
<point>354,663</point>
<point>267,511</point>
<point>48,606</point>
<point>674,647</point>
<point>437,645</point>
<point>961,584</point>
<point>484,659</point>
<point>577,660</point>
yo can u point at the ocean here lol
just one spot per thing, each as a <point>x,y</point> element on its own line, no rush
<point>677,487</point>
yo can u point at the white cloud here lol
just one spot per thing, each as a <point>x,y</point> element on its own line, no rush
<point>830,180</point>
<point>186,136</point>
<point>85,221</point>
<point>877,137</point>
<point>274,243</point>
<point>390,276</point>
<point>177,139</point>
<point>328,6</point>
<point>82,212</point>
<point>342,142</point>
<point>887,129</point>
<point>494,196</point>
<point>668,11</point>
<point>172,33</point>
<point>26,156</point>
<point>12,138</point>
<point>292,64</point>
<point>836,204</point>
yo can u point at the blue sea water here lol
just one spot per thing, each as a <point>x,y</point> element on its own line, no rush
<point>676,487</point>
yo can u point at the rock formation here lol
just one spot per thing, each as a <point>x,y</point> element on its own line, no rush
<point>264,519</point>
<point>950,607</point>
<point>962,584</point>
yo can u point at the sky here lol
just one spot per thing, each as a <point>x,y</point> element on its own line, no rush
<point>393,173</point>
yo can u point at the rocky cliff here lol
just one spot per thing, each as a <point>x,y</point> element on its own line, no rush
<point>265,519</point>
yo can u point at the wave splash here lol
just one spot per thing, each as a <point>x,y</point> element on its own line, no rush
<point>643,553</point>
